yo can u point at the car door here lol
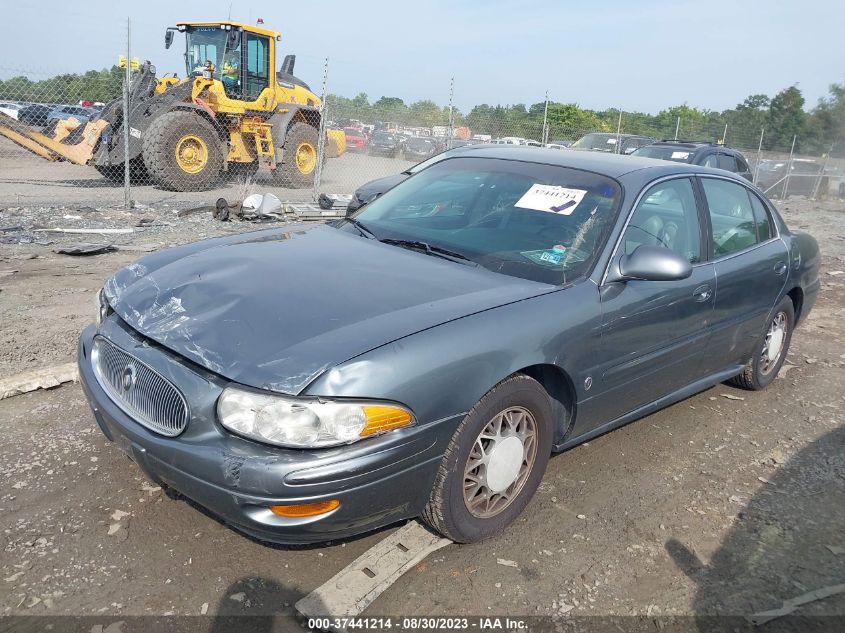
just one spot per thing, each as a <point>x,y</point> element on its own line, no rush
<point>653,333</point>
<point>750,261</point>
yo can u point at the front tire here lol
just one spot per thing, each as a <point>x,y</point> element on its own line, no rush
<point>183,152</point>
<point>494,462</point>
<point>770,351</point>
<point>299,160</point>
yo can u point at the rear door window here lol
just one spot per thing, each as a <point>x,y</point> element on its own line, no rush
<point>732,222</point>
<point>726,161</point>
<point>761,218</point>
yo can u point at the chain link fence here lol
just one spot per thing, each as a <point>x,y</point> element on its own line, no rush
<point>64,139</point>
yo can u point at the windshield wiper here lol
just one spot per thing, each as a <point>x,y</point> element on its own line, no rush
<point>428,249</point>
<point>362,229</point>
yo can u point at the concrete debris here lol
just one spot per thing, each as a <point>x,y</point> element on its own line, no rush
<point>46,378</point>
<point>730,396</point>
<point>117,515</point>
<point>204,608</point>
<point>507,563</point>
<point>84,248</point>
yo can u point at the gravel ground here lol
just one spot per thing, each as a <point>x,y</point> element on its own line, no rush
<point>726,503</point>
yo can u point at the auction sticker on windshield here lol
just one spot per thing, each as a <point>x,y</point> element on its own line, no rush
<point>551,198</point>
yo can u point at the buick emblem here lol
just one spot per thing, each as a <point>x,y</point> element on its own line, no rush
<point>127,379</point>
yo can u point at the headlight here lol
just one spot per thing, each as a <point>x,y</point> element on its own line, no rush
<point>305,423</point>
<point>102,307</point>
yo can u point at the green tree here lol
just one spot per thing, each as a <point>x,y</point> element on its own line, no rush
<point>785,120</point>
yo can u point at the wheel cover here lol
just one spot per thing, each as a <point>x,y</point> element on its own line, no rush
<point>773,345</point>
<point>306,158</point>
<point>500,462</point>
<point>191,154</point>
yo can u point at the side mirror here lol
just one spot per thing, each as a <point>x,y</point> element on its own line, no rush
<point>288,64</point>
<point>650,263</point>
<point>168,38</point>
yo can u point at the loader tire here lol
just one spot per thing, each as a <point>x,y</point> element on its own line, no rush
<point>183,152</point>
<point>299,160</point>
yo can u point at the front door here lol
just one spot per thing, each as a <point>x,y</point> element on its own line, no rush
<point>653,333</point>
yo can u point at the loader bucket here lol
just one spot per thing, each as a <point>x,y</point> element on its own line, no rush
<point>52,148</point>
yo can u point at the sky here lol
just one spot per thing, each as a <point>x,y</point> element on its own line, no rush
<point>633,55</point>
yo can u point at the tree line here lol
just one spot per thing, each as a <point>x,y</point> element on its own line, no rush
<point>781,117</point>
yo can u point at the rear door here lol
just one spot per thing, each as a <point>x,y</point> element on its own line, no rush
<point>653,333</point>
<point>750,262</point>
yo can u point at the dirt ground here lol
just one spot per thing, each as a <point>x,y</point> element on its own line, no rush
<point>726,503</point>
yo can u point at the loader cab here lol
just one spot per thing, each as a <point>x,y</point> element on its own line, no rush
<point>240,56</point>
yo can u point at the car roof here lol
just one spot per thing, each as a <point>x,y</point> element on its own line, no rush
<point>613,165</point>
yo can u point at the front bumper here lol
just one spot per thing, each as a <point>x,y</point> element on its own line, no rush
<point>378,481</point>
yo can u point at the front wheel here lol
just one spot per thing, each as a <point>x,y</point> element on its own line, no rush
<point>770,351</point>
<point>299,158</point>
<point>494,462</point>
<point>183,152</point>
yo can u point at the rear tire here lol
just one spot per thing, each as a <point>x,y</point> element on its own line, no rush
<point>486,477</point>
<point>183,152</point>
<point>299,158</point>
<point>763,367</point>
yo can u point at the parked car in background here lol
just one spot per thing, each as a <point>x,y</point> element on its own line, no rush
<point>355,139</point>
<point>420,148</point>
<point>559,144</point>
<point>373,189</point>
<point>11,109</point>
<point>607,142</point>
<point>805,178</point>
<point>702,153</point>
<point>496,307</point>
<point>509,140</point>
<point>385,144</point>
<point>81,114</point>
<point>35,114</point>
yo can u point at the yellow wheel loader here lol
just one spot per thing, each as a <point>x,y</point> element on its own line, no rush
<point>232,113</point>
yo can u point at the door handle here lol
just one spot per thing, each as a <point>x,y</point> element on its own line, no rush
<point>780,268</point>
<point>702,293</point>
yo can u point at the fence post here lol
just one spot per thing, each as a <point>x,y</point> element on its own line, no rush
<point>677,127</point>
<point>451,113</point>
<point>544,138</point>
<point>127,197</point>
<point>321,138</point>
<point>759,150</point>
<point>821,173</point>
<point>788,169</point>
<point>725,135</point>
<point>618,132</point>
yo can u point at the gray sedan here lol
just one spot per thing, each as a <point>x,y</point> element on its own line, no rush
<point>427,356</point>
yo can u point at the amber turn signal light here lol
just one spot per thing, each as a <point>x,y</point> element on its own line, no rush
<point>306,509</point>
<point>381,418</point>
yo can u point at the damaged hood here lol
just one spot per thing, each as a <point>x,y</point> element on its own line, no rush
<point>275,309</point>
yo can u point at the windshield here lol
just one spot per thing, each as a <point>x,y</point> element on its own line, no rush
<point>381,137</point>
<point>528,220</point>
<point>676,154</point>
<point>605,142</point>
<point>204,44</point>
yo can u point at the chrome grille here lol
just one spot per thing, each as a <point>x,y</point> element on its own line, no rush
<point>139,390</point>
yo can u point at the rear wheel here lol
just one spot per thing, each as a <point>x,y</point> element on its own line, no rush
<point>494,462</point>
<point>299,160</point>
<point>183,152</point>
<point>770,351</point>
